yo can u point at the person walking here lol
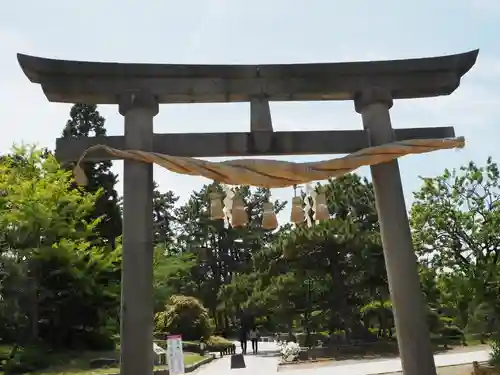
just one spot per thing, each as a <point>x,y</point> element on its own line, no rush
<point>254,337</point>
<point>243,339</point>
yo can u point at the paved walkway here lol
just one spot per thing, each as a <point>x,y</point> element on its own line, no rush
<point>263,364</point>
<point>364,367</point>
<point>266,363</point>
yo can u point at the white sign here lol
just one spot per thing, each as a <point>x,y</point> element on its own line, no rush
<point>175,356</point>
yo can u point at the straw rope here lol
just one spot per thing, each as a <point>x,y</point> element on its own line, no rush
<point>273,173</point>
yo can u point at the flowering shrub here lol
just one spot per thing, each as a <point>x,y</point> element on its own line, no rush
<point>290,351</point>
<point>495,352</point>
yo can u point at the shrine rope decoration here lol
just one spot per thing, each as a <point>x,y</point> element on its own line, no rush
<point>274,174</point>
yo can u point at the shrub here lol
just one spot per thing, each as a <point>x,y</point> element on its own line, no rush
<point>452,335</point>
<point>434,321</point>
<point>190,346</point>
<point>29,359</point>
<point>186,316</point>
<point>452,332</point>
<point>290,352</point>
<point>301,339</point>
<point>495,352</point>
<point>98,340</point>
<point>218,344</point>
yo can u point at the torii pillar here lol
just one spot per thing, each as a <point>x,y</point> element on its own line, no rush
<point>136,324</point>
<point>412,330</point>
<point>139,88</point>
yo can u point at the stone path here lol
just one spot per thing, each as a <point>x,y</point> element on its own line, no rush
<point>266,364</point>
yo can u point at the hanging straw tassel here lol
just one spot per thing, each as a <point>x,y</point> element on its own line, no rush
<point>320,208</point>
<point>79,175</point>
<point>310,193</point>
<point>269,220</point>
<point>239,215</point>
<point>216,208</point>
<point>297,215</point>
<point>78,172</point>
<point>228,205</point>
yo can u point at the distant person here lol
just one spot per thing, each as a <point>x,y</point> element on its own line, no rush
<point>254,337</point>
<point>243,339</point>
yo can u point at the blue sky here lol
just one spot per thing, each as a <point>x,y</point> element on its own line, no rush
<point>259,31</point>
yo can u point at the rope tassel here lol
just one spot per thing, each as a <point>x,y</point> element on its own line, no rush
<point>239,215</point>
<point>79,175</point>
<point>269,220</point>
<point>297,215</point>
<point>228,206</point>
<point>216,208</point>
<point>320,208</point>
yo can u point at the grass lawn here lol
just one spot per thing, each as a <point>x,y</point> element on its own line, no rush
<point>80,366</point>
<point>79,363</point>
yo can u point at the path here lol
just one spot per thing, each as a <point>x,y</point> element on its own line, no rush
<point>266,364</point>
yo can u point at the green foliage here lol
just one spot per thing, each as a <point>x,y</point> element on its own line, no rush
<point>222,253</point>
<point>434,321</point>
<point>218,344</point>
<point>455,219</point>
<point>163,217</point>
<point>59,283</point>
<point>85,121</point>
<point>452,332</point>
<point>186,316</point>
<point>318,277</point>
<point>172,276</point>
<point>495,351</point>
<point>29,359</point>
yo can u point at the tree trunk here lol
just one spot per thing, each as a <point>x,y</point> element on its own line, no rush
<point>33,303</point>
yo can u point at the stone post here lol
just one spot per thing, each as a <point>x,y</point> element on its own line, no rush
<point>136,348</point>
<point>404,284</point>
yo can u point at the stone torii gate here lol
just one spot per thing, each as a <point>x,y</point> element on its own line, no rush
<point>138,89</point>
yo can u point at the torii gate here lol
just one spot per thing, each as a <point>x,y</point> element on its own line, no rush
<point>138,89</point>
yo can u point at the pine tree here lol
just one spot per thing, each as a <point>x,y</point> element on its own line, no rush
<point>85,121</point>
<point>163,216</point>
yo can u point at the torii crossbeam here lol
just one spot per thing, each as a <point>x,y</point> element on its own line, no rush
<point>138,89</point>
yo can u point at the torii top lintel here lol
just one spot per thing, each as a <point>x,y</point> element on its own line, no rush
<point>102,83</point>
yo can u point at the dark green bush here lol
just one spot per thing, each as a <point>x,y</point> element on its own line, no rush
<point>191,346</point>
<point>29,359</point>
<point>452,332</point>
<point>434,321</point>
<point>94,340</point>
<point>186,316</point>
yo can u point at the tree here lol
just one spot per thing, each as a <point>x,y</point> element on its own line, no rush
<point>163,217</point>
<point>62,283</point>
<point>172,276</point>
<point>222,252</point>
<point>455,220</point>
<point>86,121</point>
<point>326,272</point>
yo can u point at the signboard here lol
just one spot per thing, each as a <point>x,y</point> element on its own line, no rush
<point>175,356</point>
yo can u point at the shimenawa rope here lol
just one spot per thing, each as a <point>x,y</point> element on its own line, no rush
<point>274,173</point>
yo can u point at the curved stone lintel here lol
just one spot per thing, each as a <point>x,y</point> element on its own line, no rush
<point>101,83</point>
